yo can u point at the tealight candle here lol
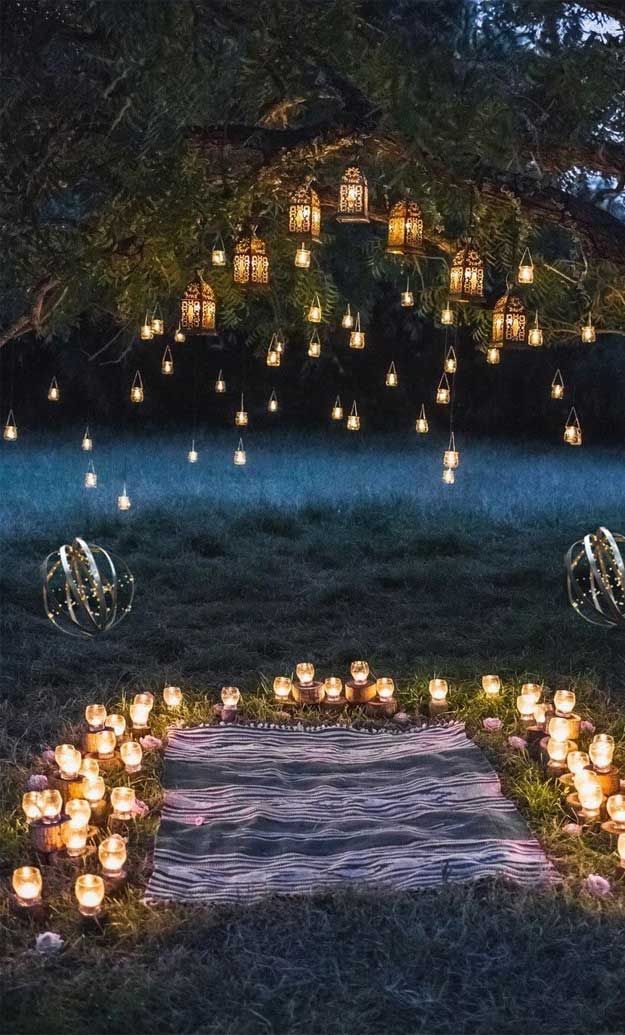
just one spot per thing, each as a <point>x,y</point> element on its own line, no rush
<point>438,689</point>
<point>333,687</point>
<point>491,685</point>
<point>533,690</point>
<point>590,798</point>
<point>385,688</point>
<point>112,856</point>
<point>359,671</point>
<point>577,761</point>
<point>51,805</point>
<point>172,696</point>
<point>230,696</point>
<point>74,839</point>
<point>106,742</point>
<point>601,751</point>
<point>305,671</point>
<point>540,714</point>
<point>282,687</point>
<point>31,804</point>
<point>146,697</point>
<point>558,728</point>
<point>68,759</point>
<point>94,790</point>
<point>582,777</point>
<point>27,884</point>
<point>89,769</point>
<point>620,846</point>
<point>139,715</point>
<point>525,706</point>
<point>616,810</point>
<point>131,755</point>
<point>95,714</point>
<point>557,750</point>
<point>78,811</point>
<point>89,891</point>
<point>564,701</point>
<point>122,802</point>
<point>117,723</point>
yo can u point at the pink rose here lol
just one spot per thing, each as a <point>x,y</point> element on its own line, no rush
<point>517,743</point>
<point>140,808</point>
<point>587,726</point>
<point>49,941</point>
<point>572,829</point>
<point>48,756</point>
<point>491,725</point>
<point>597,885</point>
<point>37,782</point>
<point>150,743</point>
<point>198,821</point>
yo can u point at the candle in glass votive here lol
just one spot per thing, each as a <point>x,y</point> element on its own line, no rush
<point>333,687</point>
<point>89,891</point>
<point>564,701</point>
<point>51,804</point>
<point>385,688</point>
<point>74,839</point>
<point>491,685</point>
<point>112,856</point>
<point>94,790</point>
<point>282,688</point>
<point>620,847</point>
<point>438,689</point>
<point>106,742</point>
<point>95,714</point>
<point>131,755</point>
<point>558,728</point>
<point>359,671</point>
<point>89,769</point>
<point>525,706</point>
<point>540,714</point>
<point>139,715</point>
<point>68,759</point>
<point>601,751</point>
<point>533,690</point>
<point>117,723</point>
<point>145,697</point>
<point>27,884</point>
<point>576,761</point>
<point>305,671</point>
<point>230,697</point>
<point>172,696</point>
<point>78,811</point>
<point>590,798</point>
<point>557,751</point>
<point>616,810</point>
<point>122,802</point>
<point>31,804</point>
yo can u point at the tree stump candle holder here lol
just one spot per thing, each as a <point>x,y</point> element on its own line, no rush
<point>68,787</point>
<point>534,735</point>
<point>360,693</point>
<point>47,837</point>
<point>89,742</point>
<point>229,714</point>
<point>382,709</point>
<point>308,693</point>
<point>99,812</point>
<point>609,778</point>
<point>438,709</point>
<point>334,704</point>
<point>587,820</point>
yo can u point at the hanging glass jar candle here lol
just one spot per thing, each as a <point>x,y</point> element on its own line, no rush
<point>87,442</point>
<point>525,274</point>
<point>145,332</point>
<point>240,457</point>
<point>588,332</point>
<point>451,363</point>
<point>240,417</point>
<point>137,394</point>
<point>220,384</point>
<point>449,475</point>
<point>91,478</point>
<point>421,425</point>
<point>357,337</point>
<point>407,296</point>
<point>557,386</point>
<point>9,432</point>
<point>443,392</point>
<point>535,334</point>
<point>192,455</point>
<point>302,256</point>
<point>218,252</point>
<point>157,323</point>
<point>123,500</point>
<point>353,420</point>
<point>573,429</point>
<point>337,409</point>
<point>54,392</point>
<point>314,311</point>
<point>392,380</point>
<point>447,315</point>
<point>451,456</point>
<point>273,355</point>
<point>272,404</point>
<point>314,345</point>
<point>347,320</point>
<point>167,362</point>
<point>179,335</point>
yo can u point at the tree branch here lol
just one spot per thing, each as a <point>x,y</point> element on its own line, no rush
<point>36,318</point>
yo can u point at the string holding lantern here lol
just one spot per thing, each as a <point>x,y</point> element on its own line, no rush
<point>421,425</point>
<point>357,337</point>
<point>557,385</point>
<point>353,204</point>
<point>167,362</point>
<point>86,589</point>
<point>251,263</point>
<point>137,393</point>
<point>198,308</point>
<point>466,277</point>
<point>9,432</point>
<point>573,429</point>
<point>595,578</point>
<point>54,392</point>
<point>392,379</point>
<point>405,228</point>
<point>305,213</point>
<point>525,272</point>
<point>509,326</point>
<point>443,392</point>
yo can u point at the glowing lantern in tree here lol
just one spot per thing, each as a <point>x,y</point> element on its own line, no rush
<point>525,273</point>
<point>443,392</point>
<point>405,228</point>
<point>192,455</point>
<point>251,264</point>
<point>314,311</point>
<point>218,253</point>
<point>407,296</point>
<point>451,456</point>
<point>557,386</point>
<point>509,321</point>
<point>447,315</point>
<point>337,409</point>
<point>353,420</point>
<point>451,363</point>
<point>220,384</point>
<point>54,392</point>
<point>198,308</point>
<point>347,320</point>
<point>240,456</point>
<point>272,405</point>
<point>167,362</point>
<point>305,213</point>
<point>146,333</point>
<point>179,335</point>
<point>535,334</point>
<point>302,256</point>
<point>353,197</point>
<point>466,280</point>
<point>273,354</point>
<point>314,345</point>
<point>392,380</point>
<point>422,426</point>
<point>493,355</point>
<point>240,417</point>
<point>573,429</point>
<point>137,394</point>
<point>91,478</point>
<point>588,332</point>
<point>9,432</point>
<point>87,442</point>
<point>158,325</point>
<point>357,337</point>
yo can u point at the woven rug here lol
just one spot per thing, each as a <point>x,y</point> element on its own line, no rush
<point>253,811</point>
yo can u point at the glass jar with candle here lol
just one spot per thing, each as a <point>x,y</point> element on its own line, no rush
<point>533,690</point>
<point>131,755</point>
<point>491,685</point>
<point>27,884</point>
<point>558,728</point>
<point>172,696</point>
<point>139,715</point>
<point>564,701</point>
<point>525,706</point>
<point>438,689</point>
<point>385,688</point>
<point>359,671</point>
<point>557,751</point>
<point>117,723</point>
<point>106,742</point>
<point>89,769</point>
<point>78,811</point>
<point>616,811</point>
<point>282,688</point>
<point>590,798</point>
<point>122,802</point>
<point>230,696</point>
<point>74,839</point>
<point>305,672</point>
<point>112,856</point>
<point>51,805</point>
<point>333,687</point>
<point>68,759</point>
<point>576,761</point>
<point>95,714</point>
<point>31,804</point>
<point>89,891</point>
<point>540,714</point>
<point>146,697</point>
<point>601,751</point>
<point>94,790</point>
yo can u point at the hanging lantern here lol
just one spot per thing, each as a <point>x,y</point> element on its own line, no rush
<point>466,281</point>
<point>146,333</point>
<point>443,392</point>
<point>405,228</point>
<point>54,393</point>
<point>124,501</point>
<point>353,197</point>
<point>198,308</point>
<point>493,355</point>
<point>9,432</point>
<point>240,417</point>
<point>179,335</point>
<point>251,265</point>
<point>573,429</point>
<point>314,345</point>
<point>273,354</point>
<point>353,420</point>
<point>535,334</point>
<point>525,273</point>
<point>357,337</point>
<point>451,363</point>
<point>87,442</point>
<point>337,409</point>
<point>137,394</point>
<point>305,213</point>
<point>449,475</point>
<point>347,320</point>
<point>588,332</point>
<point>314,311</point>
<point>192,455</point>
<point>167,362</point>
<point>220,384</point>
<point>392,380</point>
<point>272,405</point>
<point>157,323</point>
<point>280,341</point>
<point>509,321</point>
<point>407,296</point>
<point>302,256</point>
<point>91,478</point>
<point>218,252</point>
<point>240,458</point>
<point>557,386</point>
<point>422,426</point>
<point>447,315</point>
<point>451,456</point>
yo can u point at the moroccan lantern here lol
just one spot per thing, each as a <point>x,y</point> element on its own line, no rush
<point>353,420</point>
<point>588,333</point>
<point>305,213</point>
<point>353,197</point>
<point>443,392</point>
<point>392,379</point>
<point>421,425</point>
<point>357,337</point>
<point>198,308</point>
<point>451,362</point>
<point>573,429</point>
<point>251,264</point>
<point>405,228</point>
<point>54,392</point>
<point>535,334</point>
<point>337,409</point>
<point>314,345</point>
<point>466,279</point>
<point>509,321</point>
<point>167,362</point>
<point>557,385</point>
<point>525,274</point>
<point>9,432</point>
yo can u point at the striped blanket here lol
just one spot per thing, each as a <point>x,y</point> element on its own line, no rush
<point>257,811</point>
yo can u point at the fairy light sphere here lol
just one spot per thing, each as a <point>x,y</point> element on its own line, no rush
<point>595,578</point>
<point>86,590</point>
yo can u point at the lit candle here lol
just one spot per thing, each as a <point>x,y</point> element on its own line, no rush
<point>95,714</point>
<point>31,804</point>
<point>146,697</point>
<point>577,761</point>
<point>51,805</point>
<point>621,849</point>
<point>438,689</point>
<point>122,802</point>
<point>112,856</point>
<point>532,690</point>
<point>89,891</point>
<point>106,742</point>
<point>74,839</point>
<point>305,671</point>
<point>601,751</point>
<point>68,759</point>
<point>564,701</point>
<point>139,715</point>
<point>78,812</point>
<point>359,671</point>
<point>27,884</point>
<point>616,810</point>
<point>131,755</point>
<point>557,751</point>
<point>491,685</point>
<point>590,798</point>
<point>89,769</point>
<point>282,688</point>
<point>525,706</point>
<point>385,687</point>
<point>540,714</point>
<point>117,723</point>
<point>230,696</point>
<point>94,790</point>
<point>559,728</point>
<point>582,777</point>
<point>333,687</point>
<point>172,696</point>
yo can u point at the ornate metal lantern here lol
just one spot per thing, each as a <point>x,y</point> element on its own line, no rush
<point>198,308</point>
<point>509,322</point>
<point>251,264</point>
<point>86,590</point>
<point>466,280</point>
<point>305,213</point>
<point>405,228</point>
<point>353,197</point>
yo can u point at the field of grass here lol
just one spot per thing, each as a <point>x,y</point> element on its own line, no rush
<point>326,549</point>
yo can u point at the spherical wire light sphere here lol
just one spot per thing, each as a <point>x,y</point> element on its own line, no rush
<point>86,590</point>
<point>595,578</point>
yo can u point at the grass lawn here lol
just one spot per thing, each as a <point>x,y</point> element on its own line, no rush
<point>321,549</point>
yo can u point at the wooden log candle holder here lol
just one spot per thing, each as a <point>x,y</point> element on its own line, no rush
<point>47,837</point>
<point>308,693</point>
<point>68,787</point>
<point>360,693</point>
